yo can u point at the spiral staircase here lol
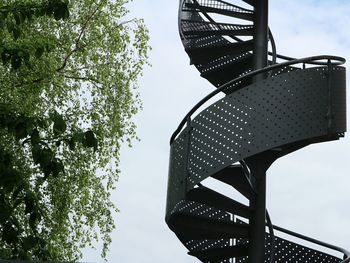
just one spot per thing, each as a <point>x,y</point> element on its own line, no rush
<point>272,105</point>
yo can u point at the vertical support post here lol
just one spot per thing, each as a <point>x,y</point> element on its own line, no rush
<point>261,30</point>
<point>257,222</point>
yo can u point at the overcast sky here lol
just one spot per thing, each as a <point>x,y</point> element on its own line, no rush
<point>308,191</point>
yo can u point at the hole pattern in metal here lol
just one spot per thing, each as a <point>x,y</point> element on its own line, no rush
<point>221,62</point>
<point>286,251</point>
<point>287,108</point>
<point>201,210</point>
<point>217,5</point>
<point>177,172</point>
<point>280,110</point>
<point>208,41</point>
<point>196,209</point>
<point>190,27</point>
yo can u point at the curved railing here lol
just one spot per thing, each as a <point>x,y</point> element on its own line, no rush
<point>302,237</point>
<point>315,241</point>
<point>314,60</point>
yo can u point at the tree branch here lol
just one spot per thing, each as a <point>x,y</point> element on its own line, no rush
<point>77,42</point>
<point>93,81</point>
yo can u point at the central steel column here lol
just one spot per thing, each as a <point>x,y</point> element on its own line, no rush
<point>257,222</point>
<point>258,219</point>
<point>261,30</point>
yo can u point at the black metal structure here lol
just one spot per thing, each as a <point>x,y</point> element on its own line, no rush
<point>269,110</point>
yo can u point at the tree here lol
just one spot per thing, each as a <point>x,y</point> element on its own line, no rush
<point>68,91</point>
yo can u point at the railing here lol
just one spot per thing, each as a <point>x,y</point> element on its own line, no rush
<point>314,60</point>
<point>271,227</point>
<point>317,242</point>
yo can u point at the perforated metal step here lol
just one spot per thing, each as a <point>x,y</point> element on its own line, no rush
<point>205,55</point>
<point>290,252</point>
<point>219,254</point>
<point>190,227</point>
<point>219,8</point>
<point>200,28</point>
<point>214,199</point>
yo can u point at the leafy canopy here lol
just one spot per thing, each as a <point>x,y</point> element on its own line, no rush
<point>68,77</point>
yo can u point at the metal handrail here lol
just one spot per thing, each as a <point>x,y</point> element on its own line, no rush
<point>307,60</point>
<point>315,241</point>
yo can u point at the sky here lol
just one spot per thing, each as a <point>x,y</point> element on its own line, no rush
<point>307,191</point>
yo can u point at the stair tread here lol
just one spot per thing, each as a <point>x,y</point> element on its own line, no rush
<point>234,176</point>
<point>250,2</point>
<point>201,55</point>
<point>211,198</point>
<point>189,227</point>
<point>223,71</point>
<point>217,254</point>
<point>227,10</point>
<point>203,28</point>
<point>229,64</point>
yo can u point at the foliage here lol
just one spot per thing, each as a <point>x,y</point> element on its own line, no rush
<point>68,80</point>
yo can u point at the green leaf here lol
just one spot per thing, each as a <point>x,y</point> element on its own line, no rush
<point>17,191</point>
<point>47,169</point>
<point>9,179</point>
<point>36,153</point>
<point>18,17</point>
<point>29,202</point>
<point>16,62</point>
<point>16,31</point>
<point>10,26</point>
<point>24,255</point>
<point>5,211</point>
<point>90,140</point>
<point>9,234</point>
<point>17,202</point>
<point>39,52</point>
<point>33,219</point>
<point>5,56</point>
<point>56,167</point>
<point>59,125</point>
<point>29,242</point>
<point>71,144</point>
<point>21,130</point>
<point>35,136</point>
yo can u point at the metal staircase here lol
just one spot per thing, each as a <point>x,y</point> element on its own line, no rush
<point>273,105</point>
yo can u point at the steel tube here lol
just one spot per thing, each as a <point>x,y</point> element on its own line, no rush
<point>257,239</point>
<point>261,34</point>
<point>258,221</point>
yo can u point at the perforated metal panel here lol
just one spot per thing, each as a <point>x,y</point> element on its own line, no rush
<point>197,28</point>
<point>286,251</point>
<point>338,100</point>
<point>280,110</point>
<point>219,5</point>
<point>200,41</point>
<point>287,108</point>
<point>177,172</point>
<point>221,62</point>
<point>194,245</point>
<point>185,207</point>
